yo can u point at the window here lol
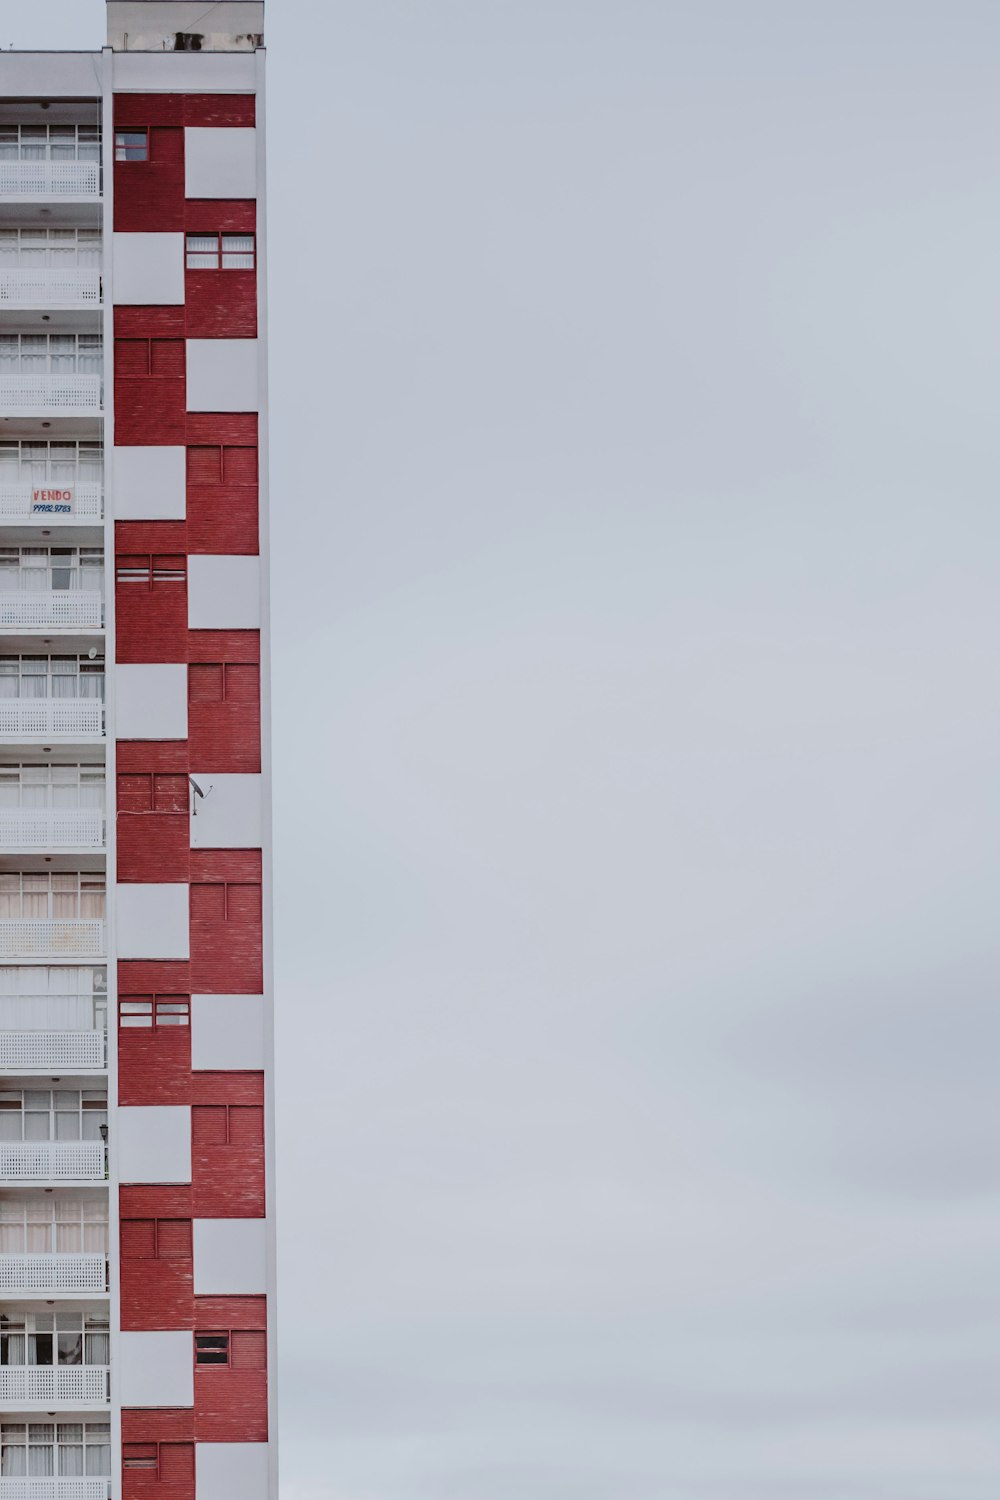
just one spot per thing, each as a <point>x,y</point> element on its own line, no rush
<point>227,1124</point>
<point>52,1114</point>
<point>50,353</point>
<point>50,247</point>
<point>154,1011</point>
<point>211,1348</point>
<point>140,357</point>
<point>67,787</point>
<point>43,1449</point>
<point>238,1349</point>
<point>223,682</point>
<point>169,1461</point>
<point>151,572</point>
<point>131,145</point>
<point>206,252</point>
<point>51,895</point>
<point>44,463</point>
<point>59,1224</point>
<point>50,569</point>
<point>62,1338</point>
<point>145,792</point>
<point>231,464</point>
<point>53,998</point>
<point>51,677</point>
<point>156,1239</point>
<point>50,143</point>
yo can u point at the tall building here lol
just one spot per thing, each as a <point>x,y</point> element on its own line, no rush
<point>136,1245</point>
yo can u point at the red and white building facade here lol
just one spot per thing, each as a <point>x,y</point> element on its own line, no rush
<point>136,1142</point>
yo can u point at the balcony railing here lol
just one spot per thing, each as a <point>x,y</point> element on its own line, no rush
<point>50,179</point>
<point>50,609</point>
<point>54,1489</point>
<point>64,937</point>
<point>53,1273</point>
<point>52,1161</point>
<point>50,393</point>
<point>51,827</point>
<point>53,499</point>
<point>53,1051</point>
<point>51,718</point>
<point>49,286</point>
<point>48,1385</point>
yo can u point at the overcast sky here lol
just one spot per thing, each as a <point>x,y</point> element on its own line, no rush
<point>636,378</point>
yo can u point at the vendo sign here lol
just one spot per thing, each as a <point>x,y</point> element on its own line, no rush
<point>53,502</point>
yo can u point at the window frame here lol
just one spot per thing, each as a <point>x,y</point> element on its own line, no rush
<point>122,146</point>
<point>220,252</point>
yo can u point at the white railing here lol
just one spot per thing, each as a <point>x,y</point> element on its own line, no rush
<point>55,393</point>
<point>50,179</point>
<point>49,286</point>
<point>67,1385</point>
<point>51,608</point>
<point>51,718</point>
<point>51,827</point>
<point>54,1489</point>
<point>53,1051</point>
<point>52,1161</point>
<point>30,937</point>
<point>53,1273</point>
<point>54,499</point>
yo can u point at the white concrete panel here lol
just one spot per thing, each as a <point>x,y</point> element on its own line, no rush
<point>153,920</point>
<point>223,594</point>
<point>147,269</point>
<point>220,161</point>
<point>168,72</point>
<point>151,701</point>
<point>150,484</point>
<point>154,1142</point>
<point>227,1032</point>
<point>229,814</point>
<point>156,1369</point>
<point>50,75</point>
<point>222,375</point>
<point>230,1257</point>
<point>225,1471</point>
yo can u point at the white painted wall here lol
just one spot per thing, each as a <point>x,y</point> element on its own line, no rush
<point>151,701</point>
<point>150,484</point>
<point>153,920</point>
<point>227,1032</point>
<point>222,375</point>
<point>148,269</point>
<point>231,1471</point>
<point>230,1257</point>
<point>50,75</point>
<point>223,593</point>
<point>229,815</point>
<point>157,1369</point>
<point>220,161</point>
<point>154,1142</point>
<point>175,72</point>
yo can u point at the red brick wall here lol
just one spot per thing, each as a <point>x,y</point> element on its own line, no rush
<point>157,1269</point>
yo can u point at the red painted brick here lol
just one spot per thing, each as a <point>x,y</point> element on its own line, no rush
<point>156,1257</point>
<point>220,304</point>
<point>219,215</point>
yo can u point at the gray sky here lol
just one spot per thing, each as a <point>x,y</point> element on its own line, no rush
<point>636,374</point>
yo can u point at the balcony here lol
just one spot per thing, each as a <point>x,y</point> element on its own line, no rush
<point>53,1051</point>
<point>50,179</point>
<point>70,395</point>
<point>51,609</point>
<point>67,1275</point>
<point>55,501</point>
<point>53,1161</point>
<point>67,937</point>
<point>51,1385</point>
<point>51,718</point>
<point>54,1489</point>
<point>68,828</point>
<point>49,286</point>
